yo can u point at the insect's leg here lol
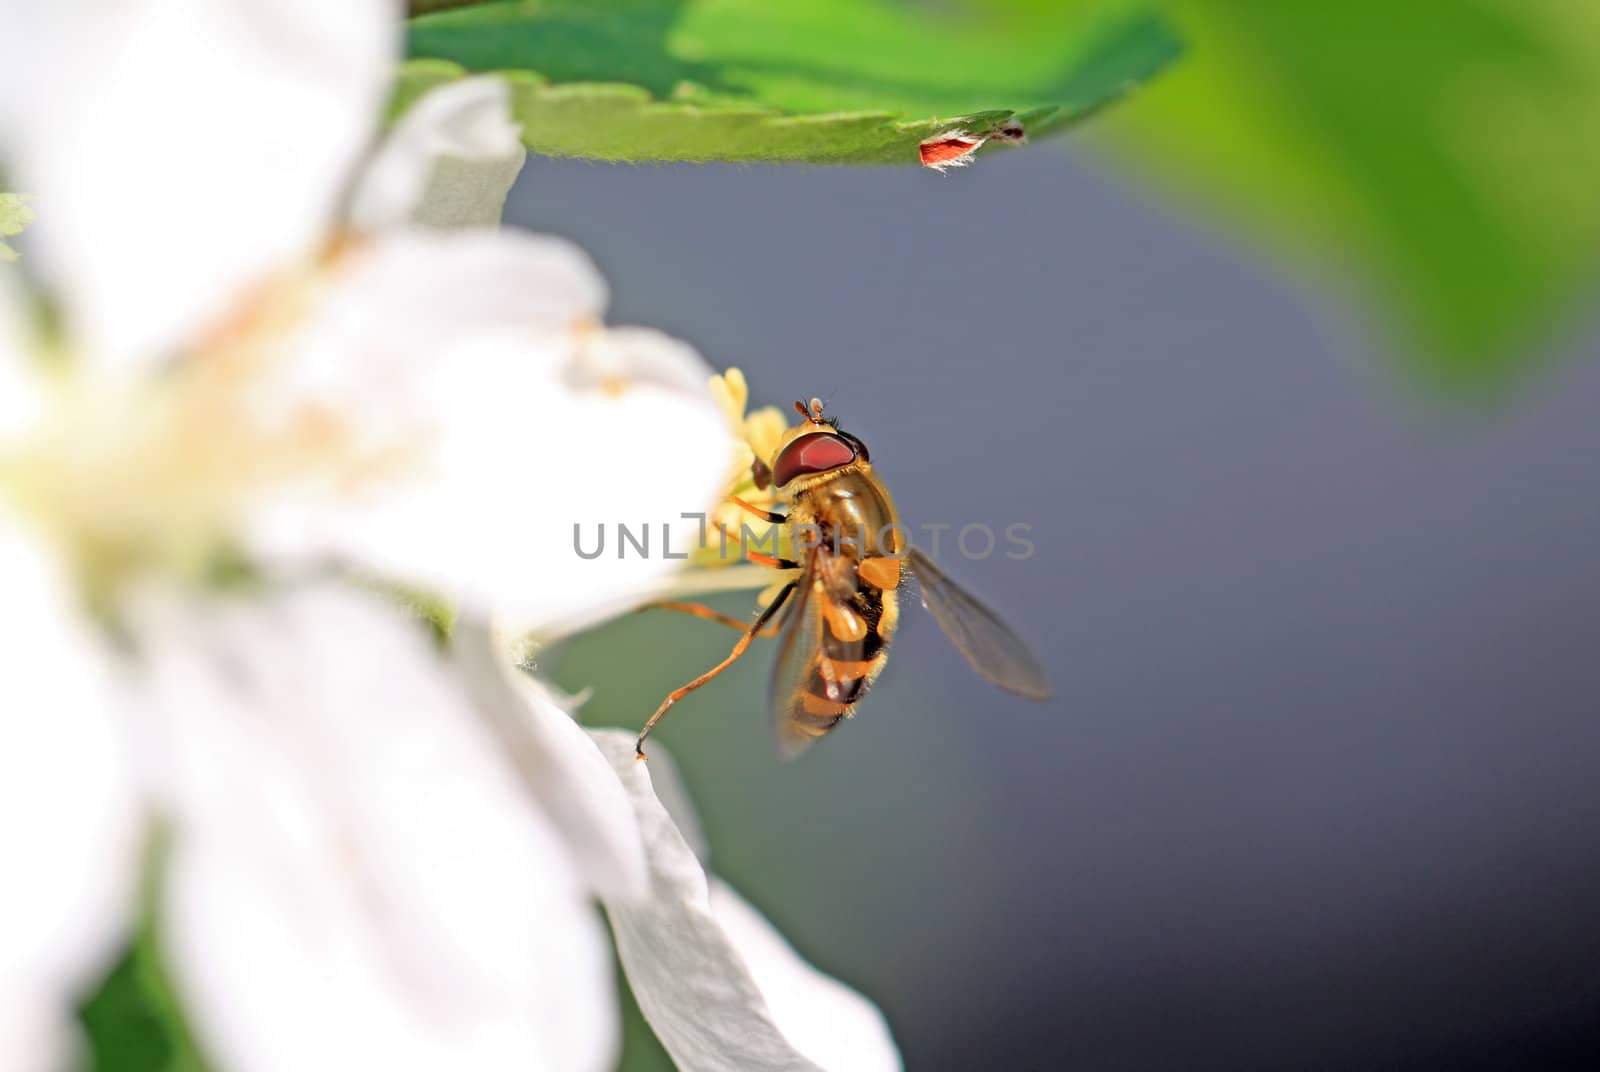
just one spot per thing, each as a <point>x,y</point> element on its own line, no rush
<point>700,610</point>
<point>738,649</point>
<point>765,515</point>
<point>758,558</point>
<point>769,560</point>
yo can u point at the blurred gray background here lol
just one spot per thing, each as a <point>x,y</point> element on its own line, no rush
<point>1318,789</point>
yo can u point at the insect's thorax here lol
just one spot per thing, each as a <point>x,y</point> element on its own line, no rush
<point>851,512</point>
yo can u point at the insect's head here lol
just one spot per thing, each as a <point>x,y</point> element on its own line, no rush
<point>817,445</point>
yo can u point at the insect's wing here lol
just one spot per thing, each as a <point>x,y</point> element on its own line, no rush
<point>799,654</point>
<point>987,643</point>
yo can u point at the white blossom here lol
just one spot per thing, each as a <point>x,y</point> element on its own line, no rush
<point>379,855</point>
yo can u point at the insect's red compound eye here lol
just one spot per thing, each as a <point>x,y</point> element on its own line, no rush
<point>815,453</point>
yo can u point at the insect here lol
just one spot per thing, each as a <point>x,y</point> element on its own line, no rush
<point>954,148</point>
<point>840,609</point>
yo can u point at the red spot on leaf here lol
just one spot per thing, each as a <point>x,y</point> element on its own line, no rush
<point>947,150</point>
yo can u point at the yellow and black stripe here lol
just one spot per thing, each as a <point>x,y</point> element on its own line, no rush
<point>854,649</point>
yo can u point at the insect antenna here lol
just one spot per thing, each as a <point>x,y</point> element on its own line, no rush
<point>811,412</point>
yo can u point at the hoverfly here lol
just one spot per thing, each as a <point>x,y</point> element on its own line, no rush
<point>840,610</point>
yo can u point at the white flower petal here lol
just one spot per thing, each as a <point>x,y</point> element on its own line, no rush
<point>69,823</point>
<point>722,990</point>
<point>502,421</point>
<point>400,302</point>
<point>558,763</point>
<point>826,1020</point>
<point>642,448</point>
<point>449,163</point>
<point>666,780</point>
<point>357,878</point>
<point>181,150</point>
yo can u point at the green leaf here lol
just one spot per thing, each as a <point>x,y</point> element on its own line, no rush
<point>14,216</point>
<point>133,1022</point>
<point>1441,153</point>
<point>826,81</point>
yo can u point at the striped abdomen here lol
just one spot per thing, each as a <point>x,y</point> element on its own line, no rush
<point>847,664</point>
